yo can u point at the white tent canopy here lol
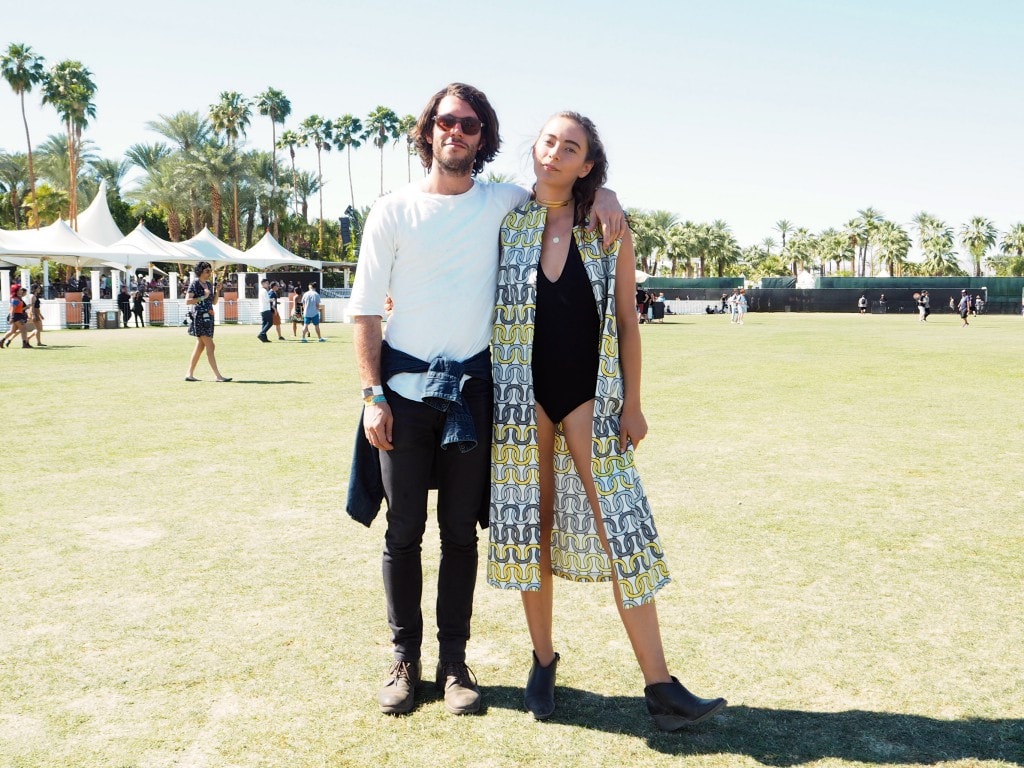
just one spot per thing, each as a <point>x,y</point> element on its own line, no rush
<point>268,253</point>
<point>57,242</point>
<point>141,248</point>
<point>208,248</point>
<point>96,224</point>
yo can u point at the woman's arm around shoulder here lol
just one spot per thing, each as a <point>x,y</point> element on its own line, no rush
<point>632,424</point>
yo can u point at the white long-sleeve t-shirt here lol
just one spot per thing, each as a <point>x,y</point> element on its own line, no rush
<point>437,257</point>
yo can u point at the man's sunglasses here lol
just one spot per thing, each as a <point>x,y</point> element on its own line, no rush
<point>470,125</point>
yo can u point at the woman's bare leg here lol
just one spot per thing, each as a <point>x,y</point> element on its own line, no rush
<point>538,606</point>
<point>641,623</point>
<point>194,361</point>
<point>210,356</point>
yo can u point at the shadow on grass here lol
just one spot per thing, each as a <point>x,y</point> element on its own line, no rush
<point>262,381</point>
<point>787,737</point>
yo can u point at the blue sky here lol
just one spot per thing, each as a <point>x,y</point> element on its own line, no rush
<point>745,111</point>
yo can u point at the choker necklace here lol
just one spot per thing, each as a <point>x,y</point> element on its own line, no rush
<point>554,203</point>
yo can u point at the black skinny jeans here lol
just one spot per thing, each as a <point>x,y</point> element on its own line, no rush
<point>416,464</point>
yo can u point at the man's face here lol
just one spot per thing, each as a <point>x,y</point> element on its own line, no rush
<point>454,151</point>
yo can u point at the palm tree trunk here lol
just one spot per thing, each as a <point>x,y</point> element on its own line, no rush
<point>382,164</point>
<point>14,205</point>
<point>174,226</point>
<point>351,189</point>
<point>273,180</point>
<point>215,205</point>
<point>295,183</point>
<point>234,213</point>
<point>31,167</point>
<point>320,183</point>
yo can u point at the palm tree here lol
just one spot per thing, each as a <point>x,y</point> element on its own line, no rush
<point>783,227</point>
<point>977,236</point>
<point>724,251</point>
<point>69,89</point>
<point>405,128</point>
<point>274,104</point>
<point>145,156</point>
<point>1011,262</point>
<point>168,189</point>
<point>893,244</point>
<point>866,224</point>
<point>191,132</point>
<point>382,125</point>
<point>937,241</point>
<point>348,135</point>
<point>768,243</point>
<point>306,185</point>
<point>23,69</point>
<point>318,132</point>
<point>290,140</point>
<point>13,181</point>
<point>54,164</point>
<point>231,116</point>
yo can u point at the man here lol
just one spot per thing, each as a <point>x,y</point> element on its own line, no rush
<point>266,313</point>
<point>311,313</point>
<point>964,306</point>
<point>432,248</point>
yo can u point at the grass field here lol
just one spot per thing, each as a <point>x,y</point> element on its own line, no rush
<point>840,499</point>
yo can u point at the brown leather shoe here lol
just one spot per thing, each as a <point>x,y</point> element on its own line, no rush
<point>458,683</point>
<point>398,694</point>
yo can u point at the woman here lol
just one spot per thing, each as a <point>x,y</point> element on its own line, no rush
<point>566,359</point>
<point>741,306</point>
<point>138,300</point>
<point>296,312</point>
<point>202,298</point>
<point>17,318</point>
<point>275,293</point>
<point>35,313</point>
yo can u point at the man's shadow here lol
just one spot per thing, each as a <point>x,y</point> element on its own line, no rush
<point>787,737</point>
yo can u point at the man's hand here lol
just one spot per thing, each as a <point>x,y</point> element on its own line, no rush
<point>377,423</point>
<point>609,214</point>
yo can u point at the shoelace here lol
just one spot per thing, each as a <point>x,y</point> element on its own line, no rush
<point>463,675</point>
<point>400,670</point>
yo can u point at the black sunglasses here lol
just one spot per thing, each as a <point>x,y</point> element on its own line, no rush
<point>470,125</point>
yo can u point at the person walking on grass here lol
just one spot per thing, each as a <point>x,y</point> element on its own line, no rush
<point>265,311</point>
<point>432,248</point>
<point>564,329</point>
<point>202,297</point>
<point>311,307</point>
<point>18,318</point>
<point>275,315</point>
<point>964,307</point>
<point>35,313</point>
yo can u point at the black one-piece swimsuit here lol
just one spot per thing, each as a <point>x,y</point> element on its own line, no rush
<point>566,339</point>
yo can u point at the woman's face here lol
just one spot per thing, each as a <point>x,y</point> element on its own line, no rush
<point>205,274</point>
<point>560,152</point>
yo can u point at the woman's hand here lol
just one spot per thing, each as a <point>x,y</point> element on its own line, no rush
<point>632,428</point>
<point>608,213</point>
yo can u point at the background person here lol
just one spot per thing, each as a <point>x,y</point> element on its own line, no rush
<point>275,315</point>
<point>35,313</point>
<point>265,311</point>
<point>311,307</point>
<point>296,311</point>
<point>18,318</point>
<point>202,297</point>
<point>124,303</point>
<point>138,303</point>
<point>551,273</point>
<point>86,307</point>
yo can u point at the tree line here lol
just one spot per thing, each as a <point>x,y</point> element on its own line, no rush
<point>199,174</point>
<point>201,159</point>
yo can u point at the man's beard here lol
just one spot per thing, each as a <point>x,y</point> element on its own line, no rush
<point>461,166</point>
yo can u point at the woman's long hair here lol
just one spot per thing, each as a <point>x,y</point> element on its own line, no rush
<point>584,189</point>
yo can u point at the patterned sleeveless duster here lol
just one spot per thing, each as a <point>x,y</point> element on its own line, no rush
<point>514,553</point>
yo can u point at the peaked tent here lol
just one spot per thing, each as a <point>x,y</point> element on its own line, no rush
<point>95,223</point>
<point>210,249</point>
<point>56,242</point>
<point>269,253</point>
<point>140,248</point>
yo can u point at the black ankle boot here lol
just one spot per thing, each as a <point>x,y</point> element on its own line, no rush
<point>540,689</point>
<point>673,707</point>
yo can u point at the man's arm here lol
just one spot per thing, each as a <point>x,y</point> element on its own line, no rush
<point>377,418</point>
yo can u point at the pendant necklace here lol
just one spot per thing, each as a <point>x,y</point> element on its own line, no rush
<point>554,204</point>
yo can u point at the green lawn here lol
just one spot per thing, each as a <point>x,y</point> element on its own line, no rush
<point>840,499</point>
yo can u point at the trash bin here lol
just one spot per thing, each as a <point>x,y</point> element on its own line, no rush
<point>107,319</point>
